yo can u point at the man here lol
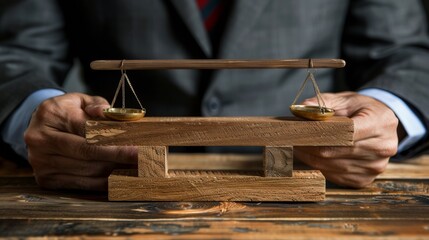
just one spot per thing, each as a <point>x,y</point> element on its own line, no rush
<point>384,42</point>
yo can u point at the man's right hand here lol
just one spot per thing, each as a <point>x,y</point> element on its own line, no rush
<point>58,151</point>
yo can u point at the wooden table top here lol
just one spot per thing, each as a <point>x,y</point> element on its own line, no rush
<point>395,206</point>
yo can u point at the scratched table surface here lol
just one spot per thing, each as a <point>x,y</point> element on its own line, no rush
<point>395,206</point>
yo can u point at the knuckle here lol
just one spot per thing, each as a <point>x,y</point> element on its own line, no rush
<point>384,149</point>
<point>36,140</point>
<point>379,167</point>
<point>389,150</point>
<point>32,137</point>
<point>389,119</point>
<point>44,109</point>
<point>392,124</point>
<point>50,109</point>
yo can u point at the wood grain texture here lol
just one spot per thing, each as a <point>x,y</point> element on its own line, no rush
<point>21,198</point>
<point>214,64</point>
<point>278,161</point>
<point>396,208</point>
<point>415,168</point>
<point>152,161</point>
<point>216,186</point>
<point>222,131</point>
<point>387,209</point>
<point>215,161</point>
<point>216,229</point>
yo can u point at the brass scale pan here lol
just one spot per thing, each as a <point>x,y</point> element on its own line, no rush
<point>319,112</point>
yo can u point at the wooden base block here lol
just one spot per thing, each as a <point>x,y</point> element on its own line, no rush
<point>307,186</point>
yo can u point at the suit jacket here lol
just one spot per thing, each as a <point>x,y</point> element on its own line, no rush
<point>384,43</point>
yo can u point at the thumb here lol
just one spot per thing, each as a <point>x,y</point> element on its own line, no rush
<point>328,98</point>
<point>337,101</point>
<point>93,106</point>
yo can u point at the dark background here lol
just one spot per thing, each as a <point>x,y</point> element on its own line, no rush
<point>426,4</point>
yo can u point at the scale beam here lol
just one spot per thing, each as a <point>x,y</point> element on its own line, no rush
<point>275,181</point>
<point>215,64</point>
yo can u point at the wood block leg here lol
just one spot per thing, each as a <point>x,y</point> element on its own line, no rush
<point>278,161</point>
<point>152,161</point>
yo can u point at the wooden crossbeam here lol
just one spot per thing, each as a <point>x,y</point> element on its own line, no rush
<point>222,131</point>
<point>215,64</point>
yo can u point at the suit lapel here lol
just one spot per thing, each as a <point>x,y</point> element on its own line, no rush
<point>243,16</point>
<point>190,15</point>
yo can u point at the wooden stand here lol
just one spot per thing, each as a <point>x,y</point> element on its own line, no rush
<point>277,181</point>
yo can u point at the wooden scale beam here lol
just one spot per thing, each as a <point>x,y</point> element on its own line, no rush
<point>276,181</point>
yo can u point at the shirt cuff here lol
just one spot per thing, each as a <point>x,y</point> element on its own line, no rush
<point>412,124</point>
<point>13,129</point>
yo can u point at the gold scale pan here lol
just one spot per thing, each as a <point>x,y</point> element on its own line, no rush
<point>304,111</point>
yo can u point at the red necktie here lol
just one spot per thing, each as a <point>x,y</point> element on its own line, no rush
<point>211,10</point>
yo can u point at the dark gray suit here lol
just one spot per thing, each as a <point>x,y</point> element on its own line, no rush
<point>384,42</point>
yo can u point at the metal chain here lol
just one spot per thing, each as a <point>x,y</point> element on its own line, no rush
<point>117,90</point>
<point>121,84</point>
<point>318,94</point>
<point>319,98</point>
<point>301,88</point>
<point>132,89</point>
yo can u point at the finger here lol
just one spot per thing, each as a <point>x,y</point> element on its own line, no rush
<point>326,153</point>
<point>72,145</point>
<point>69,112</point>
<point>368,123</point>
<point>94,106</point>
<point>55,164</point>
<point>349,180</point>
<point>377,140</point>
<point>366,149</point>
<point>64,181</point>
<point>344,103</point>
<point>332,100</point>
<point>344,165</point>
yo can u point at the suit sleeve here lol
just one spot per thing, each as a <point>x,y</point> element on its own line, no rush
<point>386,46</point>
<point>33,50</point>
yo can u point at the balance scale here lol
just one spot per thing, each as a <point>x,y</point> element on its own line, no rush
<point>276,181</point>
